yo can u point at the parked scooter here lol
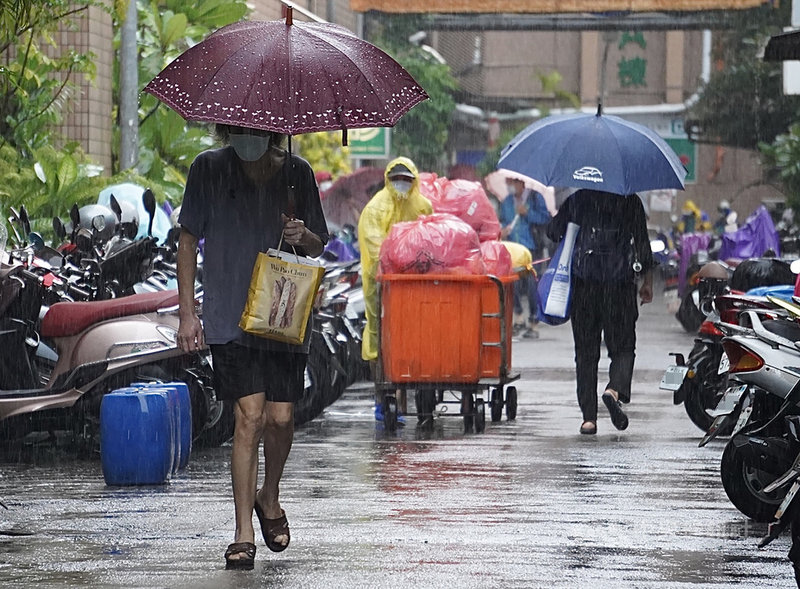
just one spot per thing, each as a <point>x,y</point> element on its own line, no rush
<point>762,401</point>
<point>56,371</point>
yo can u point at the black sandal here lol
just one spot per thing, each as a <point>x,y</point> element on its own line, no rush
<point>272,528</point>
<point>589,428</point>
<point>242,563</point>
<point>618,417</point>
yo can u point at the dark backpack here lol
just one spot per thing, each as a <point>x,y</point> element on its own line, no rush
<point>603,255</point>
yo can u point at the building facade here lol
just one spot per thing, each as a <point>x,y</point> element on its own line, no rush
<point>506,80</point>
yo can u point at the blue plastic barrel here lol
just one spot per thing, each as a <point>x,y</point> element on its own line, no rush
<point>137,437</point>
<point>185,421</point>
<point>179,391</point>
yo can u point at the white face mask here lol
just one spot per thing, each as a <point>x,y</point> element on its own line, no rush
<point>324,185</point>
<point>248,147</point>
<point>402,187</point>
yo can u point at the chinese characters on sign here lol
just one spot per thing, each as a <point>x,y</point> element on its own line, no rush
<point>632,71</point>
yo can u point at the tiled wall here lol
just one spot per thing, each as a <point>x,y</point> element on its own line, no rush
<point>89,120</point>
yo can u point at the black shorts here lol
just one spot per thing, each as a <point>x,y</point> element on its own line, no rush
<point>240,371</point>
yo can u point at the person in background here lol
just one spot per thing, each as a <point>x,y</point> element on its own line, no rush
<point>519,213</point>
<point>237,199</point>
<point>611,249</point>
<point>399,200</point>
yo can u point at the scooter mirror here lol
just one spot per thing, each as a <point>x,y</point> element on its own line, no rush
<point>26,222</point>
<point>795,266</point>
<point>59,229</point>
<point>37,241</point>
<point>149,200</point>
<point>75,217</point>
<point>115,206</point>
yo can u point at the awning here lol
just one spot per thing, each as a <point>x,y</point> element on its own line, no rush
<point>548,6</point>
<point>782,47</point>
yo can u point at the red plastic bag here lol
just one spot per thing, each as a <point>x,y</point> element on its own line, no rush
<point>433,244</point>
<point>496,258</point>
<point>466,200</point>
<point>431,187</point>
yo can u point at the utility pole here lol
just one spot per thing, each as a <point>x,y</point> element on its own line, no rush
<point>129,91</point>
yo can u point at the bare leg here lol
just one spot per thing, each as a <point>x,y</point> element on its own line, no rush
<point>278,436</point>
<point>249,425</point>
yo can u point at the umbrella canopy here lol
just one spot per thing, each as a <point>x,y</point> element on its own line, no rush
<point>495,183</point>
<point>348,195</point>
<point>785,46</point>
<point>596,151</point>
<point>288,77</point>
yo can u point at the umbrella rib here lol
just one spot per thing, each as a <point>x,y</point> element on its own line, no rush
<point>334,43</point>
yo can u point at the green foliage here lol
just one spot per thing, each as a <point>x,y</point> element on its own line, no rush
<point>782,159</point>
<point>167,143</point>
<point>324,151</point>
<point>743,103</point>
<point>36,85</point>
<point>421,134</point>
<point>48,184</point>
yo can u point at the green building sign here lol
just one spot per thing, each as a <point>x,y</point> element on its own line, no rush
<point>369,143</point>
<point>687,151</point>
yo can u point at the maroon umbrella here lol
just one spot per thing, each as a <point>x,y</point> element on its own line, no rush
<point>288,77</point>
<point>348,195</point>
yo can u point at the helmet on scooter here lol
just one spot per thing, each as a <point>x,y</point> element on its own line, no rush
<point>712,282</point>
<point>88,212</point>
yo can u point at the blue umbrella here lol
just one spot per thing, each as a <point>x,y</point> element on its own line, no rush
<point>596,151</point>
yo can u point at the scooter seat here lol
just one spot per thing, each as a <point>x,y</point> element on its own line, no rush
<point>63,319</point>
<point>787,329</point>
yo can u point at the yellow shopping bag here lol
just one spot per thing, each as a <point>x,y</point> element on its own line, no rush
<point>281,294</point>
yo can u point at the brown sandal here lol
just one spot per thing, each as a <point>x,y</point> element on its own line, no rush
<point>241,563</point>
<point>272,528</point>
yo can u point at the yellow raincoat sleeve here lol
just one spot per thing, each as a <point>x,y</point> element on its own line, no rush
<point>384,210</point>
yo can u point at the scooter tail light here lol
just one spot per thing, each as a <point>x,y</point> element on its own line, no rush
<point>741,359</point>
<point>708,328</point>
<point>729,316</point>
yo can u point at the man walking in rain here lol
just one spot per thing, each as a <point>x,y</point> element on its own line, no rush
<point>399,200</point>
<point>237,198</point>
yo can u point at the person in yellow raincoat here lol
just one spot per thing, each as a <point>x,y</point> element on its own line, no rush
<point>399,200</point>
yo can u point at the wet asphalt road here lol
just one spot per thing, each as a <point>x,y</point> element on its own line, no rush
<point>528,503</point>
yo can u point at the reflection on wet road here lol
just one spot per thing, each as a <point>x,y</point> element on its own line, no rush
<point>529,503</point>
<point>526,504</point>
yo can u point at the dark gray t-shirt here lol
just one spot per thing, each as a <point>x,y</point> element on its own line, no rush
<point>238,219</point>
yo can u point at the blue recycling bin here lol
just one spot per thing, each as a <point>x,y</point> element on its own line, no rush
<point>137,437</point>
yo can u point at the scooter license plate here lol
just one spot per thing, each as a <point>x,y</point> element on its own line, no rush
<point>744,417</point>
<point>729,401</point>
<point>724,364</point>
<point>673,377</point>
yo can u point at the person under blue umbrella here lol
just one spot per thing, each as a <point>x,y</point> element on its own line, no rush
<point>612,257</point>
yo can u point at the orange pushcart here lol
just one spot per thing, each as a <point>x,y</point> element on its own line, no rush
<point>447,334</point>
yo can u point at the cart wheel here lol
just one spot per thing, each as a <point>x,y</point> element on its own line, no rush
<point>480,416</point>
<point>390,413</point>
<point>511,403</point>
<point>426,403</point>
<point>496,404</point>
<point>468,411</point>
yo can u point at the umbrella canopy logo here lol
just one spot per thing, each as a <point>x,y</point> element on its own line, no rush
<point>594,151</point>
<point>588,174</point>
